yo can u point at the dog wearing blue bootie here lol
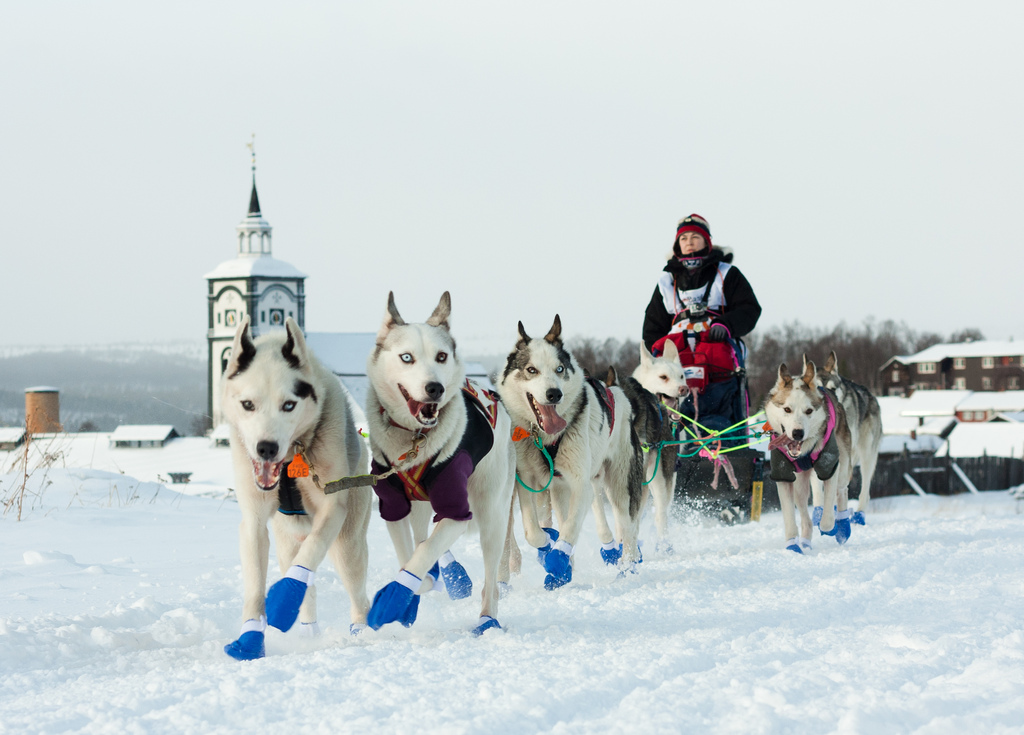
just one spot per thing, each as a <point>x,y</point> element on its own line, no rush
<point>291,435</point>
<point>441,452</point>
<point>810,438</point>
<point>576,447</point>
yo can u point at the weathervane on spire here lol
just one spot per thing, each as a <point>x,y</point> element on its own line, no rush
<point>252,150</point>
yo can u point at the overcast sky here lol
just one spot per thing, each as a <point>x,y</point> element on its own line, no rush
<point>862,159</point>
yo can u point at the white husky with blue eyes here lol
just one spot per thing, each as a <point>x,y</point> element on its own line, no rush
<point>279,400</point>
<point>587,431</point>
<point>440,446</point>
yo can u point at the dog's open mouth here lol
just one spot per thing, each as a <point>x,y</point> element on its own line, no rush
<point>425,413</point>
<point>787,444</point>
<point>266,474</point>
<point>547,416</point>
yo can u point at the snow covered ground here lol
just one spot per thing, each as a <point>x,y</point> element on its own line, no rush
<point>116,598</point>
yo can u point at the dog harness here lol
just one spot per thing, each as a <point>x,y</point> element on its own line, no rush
<point>443,484</point>
<point>824,461</point>
<point>289,498</point>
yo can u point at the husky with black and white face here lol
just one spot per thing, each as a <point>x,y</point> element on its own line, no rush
<point>593,443</point>
<point>662,379</point>
<point>279,400</point>
<point>425,424</point>
<point>810,432</point>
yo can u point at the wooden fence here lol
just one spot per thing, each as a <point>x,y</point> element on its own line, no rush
<point>935,475</point>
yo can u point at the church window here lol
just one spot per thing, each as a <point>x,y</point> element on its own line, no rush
<point>263,317</point>
<point>218,317</point>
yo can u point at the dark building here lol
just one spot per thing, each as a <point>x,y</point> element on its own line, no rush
<point>987,365</point>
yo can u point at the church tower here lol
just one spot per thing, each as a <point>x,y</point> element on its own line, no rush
<point>254,283</point>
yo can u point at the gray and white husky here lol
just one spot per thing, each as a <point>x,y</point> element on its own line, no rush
<point>654,388</point>
<point>810,436</point>
<point>280,401</point>
<point>865,421</point>
<point>444,444</point>
<point>586,430</point>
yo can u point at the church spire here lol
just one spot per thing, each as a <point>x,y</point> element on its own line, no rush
<point>254,200</point>
<point>253,231</point>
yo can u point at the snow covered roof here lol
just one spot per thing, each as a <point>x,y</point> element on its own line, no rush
<point>989,400</point>
<point>12,434</point>
<point>248,266</point>
<point>143,433</point>
<point>42,389</point>
<point>1014,417</point>
<point>343,353</point>
<point>976,439</point>
<point>934,402</point>
<point>929,415</point>
<point>981,348</point>
<point>896,443</point>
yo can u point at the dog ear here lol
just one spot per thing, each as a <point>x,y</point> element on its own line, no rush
<point>444,309</point>
<point>646,358</point>
<point>554,335</point>
<point>611,378</point>
<point>242,350</point>
<point>810,373</point>
<point>830,363</point>
<point>670,351</point>
<point>294,349</point>
<point>523,336</point>
<point>392,319</point>
<point>785,379</point>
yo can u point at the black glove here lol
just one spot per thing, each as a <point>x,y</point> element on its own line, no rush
<point>717,333</point>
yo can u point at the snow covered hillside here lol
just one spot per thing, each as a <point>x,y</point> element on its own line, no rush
<point>117,597</point>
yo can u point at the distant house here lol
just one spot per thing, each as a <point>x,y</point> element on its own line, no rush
<point>11,438</point>
<point>141,436</point>
<point>221,436</point>
<point>986,365</point>
<point>989,405</point>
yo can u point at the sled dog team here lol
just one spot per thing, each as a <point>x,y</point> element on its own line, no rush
<point>446,450</point>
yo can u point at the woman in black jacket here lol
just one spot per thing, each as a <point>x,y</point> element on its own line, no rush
<point>700,274</point>
<point>704,304</point>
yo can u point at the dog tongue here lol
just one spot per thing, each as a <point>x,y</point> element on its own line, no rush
<point>267,474</point>
<point>550,421</point>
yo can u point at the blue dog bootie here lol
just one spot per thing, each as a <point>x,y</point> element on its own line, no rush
<point>285,596</point>
<point>543,550</point>
<point>842,529</point>
<point>859,519</point>
<point>456,580</point>
<point>611,552</point>
<point>395,601</point>
<point>558,563</point>
<point>818,513</point>
<point>249,645</point>
<point>486,623</point>
<point>793,544</point>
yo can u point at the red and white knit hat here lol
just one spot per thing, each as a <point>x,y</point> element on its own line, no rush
<point>694,223</point>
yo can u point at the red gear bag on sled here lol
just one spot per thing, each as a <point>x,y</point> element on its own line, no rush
<point>708,362</point>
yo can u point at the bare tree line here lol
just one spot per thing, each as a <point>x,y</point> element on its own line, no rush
<point>861,350</point>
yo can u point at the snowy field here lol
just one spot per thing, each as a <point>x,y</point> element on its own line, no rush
<point>117,597</point>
